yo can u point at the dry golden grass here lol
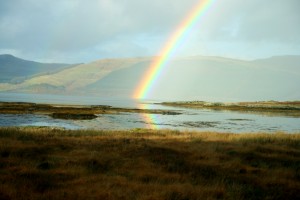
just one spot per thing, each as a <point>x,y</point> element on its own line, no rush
<point>43,163</point>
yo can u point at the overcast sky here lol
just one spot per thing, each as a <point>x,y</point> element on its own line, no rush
<point>84,30</point>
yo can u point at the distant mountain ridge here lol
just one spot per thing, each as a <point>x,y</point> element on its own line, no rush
<point>16,70</point>
<point>187,78</point>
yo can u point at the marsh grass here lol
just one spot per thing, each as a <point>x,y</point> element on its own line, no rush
<point>44,163</point>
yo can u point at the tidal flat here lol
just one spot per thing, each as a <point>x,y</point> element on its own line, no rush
<point>52,163</point>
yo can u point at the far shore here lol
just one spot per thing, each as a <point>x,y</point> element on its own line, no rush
<point>287,108</point>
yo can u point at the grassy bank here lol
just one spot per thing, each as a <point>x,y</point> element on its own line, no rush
<point>44,163</point>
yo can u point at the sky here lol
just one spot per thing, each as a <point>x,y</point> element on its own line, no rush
<point>76,31</point>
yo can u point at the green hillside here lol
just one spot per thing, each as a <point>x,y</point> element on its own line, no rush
<point>16,70</point>
<point>187,78</point>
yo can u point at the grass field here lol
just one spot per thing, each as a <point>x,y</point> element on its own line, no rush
<point>44,163</point>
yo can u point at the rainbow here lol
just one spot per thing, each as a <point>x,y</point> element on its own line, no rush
<point>149,119</point>
<point>169,48</point>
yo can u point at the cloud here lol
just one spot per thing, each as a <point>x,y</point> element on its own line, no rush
<point>271,21</point>
<point>78,30</point>
<point>248,29</point>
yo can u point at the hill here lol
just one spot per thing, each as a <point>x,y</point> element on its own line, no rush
<point>16,70</point>
<point>187,78</point>
<point>72,80</point>
<point>212,79</point>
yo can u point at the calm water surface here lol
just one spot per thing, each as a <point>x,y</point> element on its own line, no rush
<point>190,119</point>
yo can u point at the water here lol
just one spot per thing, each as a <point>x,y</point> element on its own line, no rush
<point>69,100</point>
<point>190,119</point>
<point>35,120</point>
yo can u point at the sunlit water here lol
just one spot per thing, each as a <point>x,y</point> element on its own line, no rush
<point>190,119</point>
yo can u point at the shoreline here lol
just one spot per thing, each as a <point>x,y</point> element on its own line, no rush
<point>86,112</point>
<point>64,111</point>
<point>285,108</point>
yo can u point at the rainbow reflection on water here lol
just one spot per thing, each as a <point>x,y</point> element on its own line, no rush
<point>151,120</point>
